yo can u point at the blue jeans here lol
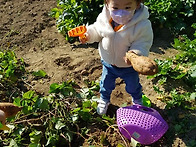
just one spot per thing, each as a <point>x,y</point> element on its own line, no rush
<point>108,78</point>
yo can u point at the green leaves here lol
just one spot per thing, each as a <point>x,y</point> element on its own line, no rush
<point>13,143</point>
<point>85,112</point>
<point>10,66</point>
<point>29,94</point>
<point>40,73</point>
<point>57,118</point>
<point>1,125</point>
<point>35,137</point>
<point>181,68</point>
<point>146,101</point>
<point>173,14</point>
<point>42,103</point>
<point>178,100</point>
<point>59,125</point>
<point>187,56</point>
<point>168,69</point>
<point>191,78</point>
<point>66,88</point>
<point>193,96</point>
<point>32,102</point>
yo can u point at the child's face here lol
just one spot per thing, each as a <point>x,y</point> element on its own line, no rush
<point>122,4</point>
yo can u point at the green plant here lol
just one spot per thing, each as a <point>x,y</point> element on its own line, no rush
<point>182,67</point>
<point>12,70</point>
<point>187,47</point>
<point>183,124</point>
<point>40,73</point>
<point>179,100</point>
<point>191,78</point>
<point>146,101</point>
<point>187,56</point>
<point>55,119</point>
<point>64,89</point>
<point>168,69</point>
<point>173,14</point>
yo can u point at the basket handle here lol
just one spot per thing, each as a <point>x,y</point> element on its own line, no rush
<point>143,108</point>
<point>133,140</point>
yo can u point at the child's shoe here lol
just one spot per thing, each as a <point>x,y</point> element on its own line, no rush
<point>102,107</point>
<point>139,101</point>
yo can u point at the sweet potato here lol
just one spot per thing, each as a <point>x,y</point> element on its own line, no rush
<point>143,65</point>
<point>2,120</point>
<point>9,109</point>
<point>2,117</point>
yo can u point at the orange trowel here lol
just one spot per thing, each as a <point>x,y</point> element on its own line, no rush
<point>78,32</point>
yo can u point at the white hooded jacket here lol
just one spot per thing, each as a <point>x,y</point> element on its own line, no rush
<point>136,35</point>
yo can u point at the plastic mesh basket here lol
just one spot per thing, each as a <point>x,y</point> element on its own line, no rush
<point>142,123</point>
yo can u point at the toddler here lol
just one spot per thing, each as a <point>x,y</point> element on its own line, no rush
<point>122,26</point>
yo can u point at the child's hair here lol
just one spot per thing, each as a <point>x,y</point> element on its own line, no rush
<point>139,1</point>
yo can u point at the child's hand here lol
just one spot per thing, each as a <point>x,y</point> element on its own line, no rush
<point>127,60</point>
<point>142,64</point>
<point>84,38</point>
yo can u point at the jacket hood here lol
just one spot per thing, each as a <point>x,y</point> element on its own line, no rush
<point>140,14</point>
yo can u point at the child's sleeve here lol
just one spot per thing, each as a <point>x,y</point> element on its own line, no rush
<point>94,30</point>
<point>143,38</point>
<point>93,33</point>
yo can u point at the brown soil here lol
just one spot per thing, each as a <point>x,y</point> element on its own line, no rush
<point>26,27</point>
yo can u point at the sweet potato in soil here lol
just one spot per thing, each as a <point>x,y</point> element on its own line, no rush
<point>9,109</point>
<point>143,65</point>
<point>2,117</point>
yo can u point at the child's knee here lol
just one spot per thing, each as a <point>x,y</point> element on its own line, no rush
<point>134,89</point>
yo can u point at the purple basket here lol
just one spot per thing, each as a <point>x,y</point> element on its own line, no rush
<point>143,124</point>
